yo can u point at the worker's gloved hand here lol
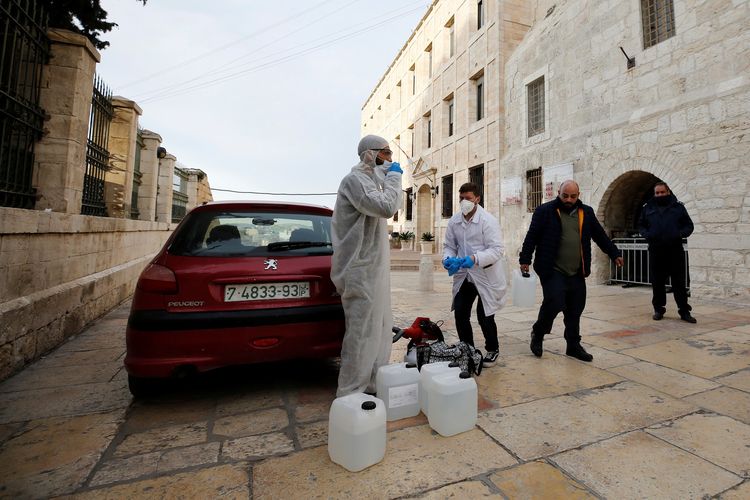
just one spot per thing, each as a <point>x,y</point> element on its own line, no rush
<point>396,167</point>
<point>455,265</point>
<point>447,262</point>
<point>467,262</point>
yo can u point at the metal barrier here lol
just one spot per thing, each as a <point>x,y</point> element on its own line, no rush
<point>635,269</point>
<point>97,154</point>
<point>137,176</point>
<point>23,53</point>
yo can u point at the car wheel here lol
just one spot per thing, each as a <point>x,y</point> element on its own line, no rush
<point>143,387</point>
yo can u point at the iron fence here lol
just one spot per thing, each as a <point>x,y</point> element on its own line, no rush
<point>636,257</point>
<point>97,154</point>
<point>24,52</point>
<point>137,175</point>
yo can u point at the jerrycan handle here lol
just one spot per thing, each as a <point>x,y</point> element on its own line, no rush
<point>525,274</point>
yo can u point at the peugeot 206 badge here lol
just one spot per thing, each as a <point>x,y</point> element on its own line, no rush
<point>272,264</point>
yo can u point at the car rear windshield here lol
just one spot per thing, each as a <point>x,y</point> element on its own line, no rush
<point>231,234</point>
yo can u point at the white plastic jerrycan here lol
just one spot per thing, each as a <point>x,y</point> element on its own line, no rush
<point>429,372</point>
<point>524,288</point>
<point>356,431</point>
<point>398,386</point>
<point>452,403</point>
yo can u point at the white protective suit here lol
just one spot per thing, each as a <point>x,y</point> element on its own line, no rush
<point>481,236</point>
<point>360,267</point>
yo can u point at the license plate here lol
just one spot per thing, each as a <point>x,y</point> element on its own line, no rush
<point>267,291</point>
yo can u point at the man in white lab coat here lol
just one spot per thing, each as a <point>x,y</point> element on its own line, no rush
<point>473,254</point>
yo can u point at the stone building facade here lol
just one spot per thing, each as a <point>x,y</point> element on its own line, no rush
<point>616,97</point>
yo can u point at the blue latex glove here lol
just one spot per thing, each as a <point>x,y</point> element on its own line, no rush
<point>396,167</point>
<point>467,262</point>
<point>453,266</point>
<point>447,262</point>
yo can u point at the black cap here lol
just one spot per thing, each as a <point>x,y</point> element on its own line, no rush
<point>369,405</point>
<point>411,365</point>
<point>464,375</point>
<point>453,364</point>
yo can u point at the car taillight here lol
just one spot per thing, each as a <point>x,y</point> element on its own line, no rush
<point>159,279</point>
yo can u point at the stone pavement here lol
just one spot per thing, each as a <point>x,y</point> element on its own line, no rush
<point>662,412</point>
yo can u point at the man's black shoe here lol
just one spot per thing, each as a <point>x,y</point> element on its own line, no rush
<point>578,352</point>
<point>688,318</point>
<point>658,316</point>
<point>536,345</point>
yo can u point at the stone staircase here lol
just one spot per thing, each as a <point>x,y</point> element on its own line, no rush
<point>408,260</point>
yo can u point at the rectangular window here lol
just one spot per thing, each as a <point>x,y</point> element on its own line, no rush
<point>429,132</point>
<point>451,116</point>
<point>429,60</point>
<point>476,175</point>
<point>480,14</point>
<point>657,17</point>
<point>451,37</point>
<point>413,80</point>
<point>480,97</point>
<point>533,189</point>
<point>447,190</point>
<point>409,195</point>
<point>535,107</point>
<point>413,139</point>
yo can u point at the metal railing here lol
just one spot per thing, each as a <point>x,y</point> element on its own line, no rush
<point>137,175</point>
<point>97,154</point>
<point>23,54</point>
<point>179,206</point>
<point>636,257</point>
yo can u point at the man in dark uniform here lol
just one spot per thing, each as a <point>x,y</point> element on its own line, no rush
<point>560,233</point>
<point>664,223</point>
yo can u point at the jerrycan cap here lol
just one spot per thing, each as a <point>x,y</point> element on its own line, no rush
<point>411,365</point>
<point>464,375</point>
<point>368,405</point>
<point>453,364</point>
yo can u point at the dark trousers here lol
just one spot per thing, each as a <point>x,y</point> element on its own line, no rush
<point>666,262</point>
<point>462,304</point>
<point>566,294</point>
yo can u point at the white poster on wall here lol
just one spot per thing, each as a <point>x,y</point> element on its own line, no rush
<point>510,191</point>
<point>552,176</point>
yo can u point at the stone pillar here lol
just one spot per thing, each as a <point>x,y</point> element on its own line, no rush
<point>192,189</point>
<point>150,176</point>
<point>118,181</point>
<point>426,269</point>
<point>66,91</point>
<point>164,191</point>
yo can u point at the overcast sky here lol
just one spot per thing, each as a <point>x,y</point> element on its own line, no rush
<point>262,96</point>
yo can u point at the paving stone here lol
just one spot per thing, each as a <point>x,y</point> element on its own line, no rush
<point>726,336</point>
<point>741,492</point>
<point>61,376</point>
<point>63,401</point>
<point>547,426</point>
<point>407,468</point>
<point>312,412</point>
<point>526,378</point>
<point>245,403</point>
<point>123,469</point>
<point>162,439</point>
<point>83,358</point>
<point>636,404</point>
<point>538,480</point>
<point>462,490</point>
<point>702,358</point>
<point>638,465</point>
<point>312,434</point>
<point>672,382</point>
<point>249,424</point>
<point>145,415</point>
<point>718,439</point>
<point>191,456</point>
<point>257,447</point>
<point>55,456</point>
<point>739,380</point>
<point>224,481</point>
<point>603,358</point>
<point>7,430</point>
<point>725,401</point>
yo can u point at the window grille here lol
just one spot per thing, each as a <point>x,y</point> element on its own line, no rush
<point>450,117</point>
<point>533,189</point>
<point>409,203</point>
<point>480,14</point>
<point>535,108</point>
<point>429,132</point>
<point>137,176</point>
<point>657,17</point>
<point>447,190</point>
<point>480,98</point>
<point>179,195</point>
<point>97,154</point>
<point>476,175</point>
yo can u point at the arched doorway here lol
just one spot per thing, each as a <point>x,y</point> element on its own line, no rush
<point>424,211</point>
<point>618,211</point>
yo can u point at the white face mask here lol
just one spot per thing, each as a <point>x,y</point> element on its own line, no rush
<point>467,206</point>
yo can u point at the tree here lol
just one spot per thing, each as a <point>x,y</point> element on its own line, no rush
<point>82,16</point>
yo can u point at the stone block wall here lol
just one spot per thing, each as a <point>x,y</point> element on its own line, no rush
<point>59,272</point>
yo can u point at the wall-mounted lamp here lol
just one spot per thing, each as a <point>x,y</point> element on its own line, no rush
<point>161,152</point>
<point>631,60</point>
<point>434,191</point>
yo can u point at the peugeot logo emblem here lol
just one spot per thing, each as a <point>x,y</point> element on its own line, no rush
<point>272,264</point>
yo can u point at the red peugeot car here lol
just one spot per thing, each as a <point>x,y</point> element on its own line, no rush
<point>236,283</point>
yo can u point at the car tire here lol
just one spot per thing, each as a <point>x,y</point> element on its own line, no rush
<point>143,387</point>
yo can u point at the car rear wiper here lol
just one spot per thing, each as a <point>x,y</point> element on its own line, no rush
<point>289,245</point>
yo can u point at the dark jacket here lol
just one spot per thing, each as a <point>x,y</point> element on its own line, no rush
<point>665,226</point>
<point>545,232</point>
